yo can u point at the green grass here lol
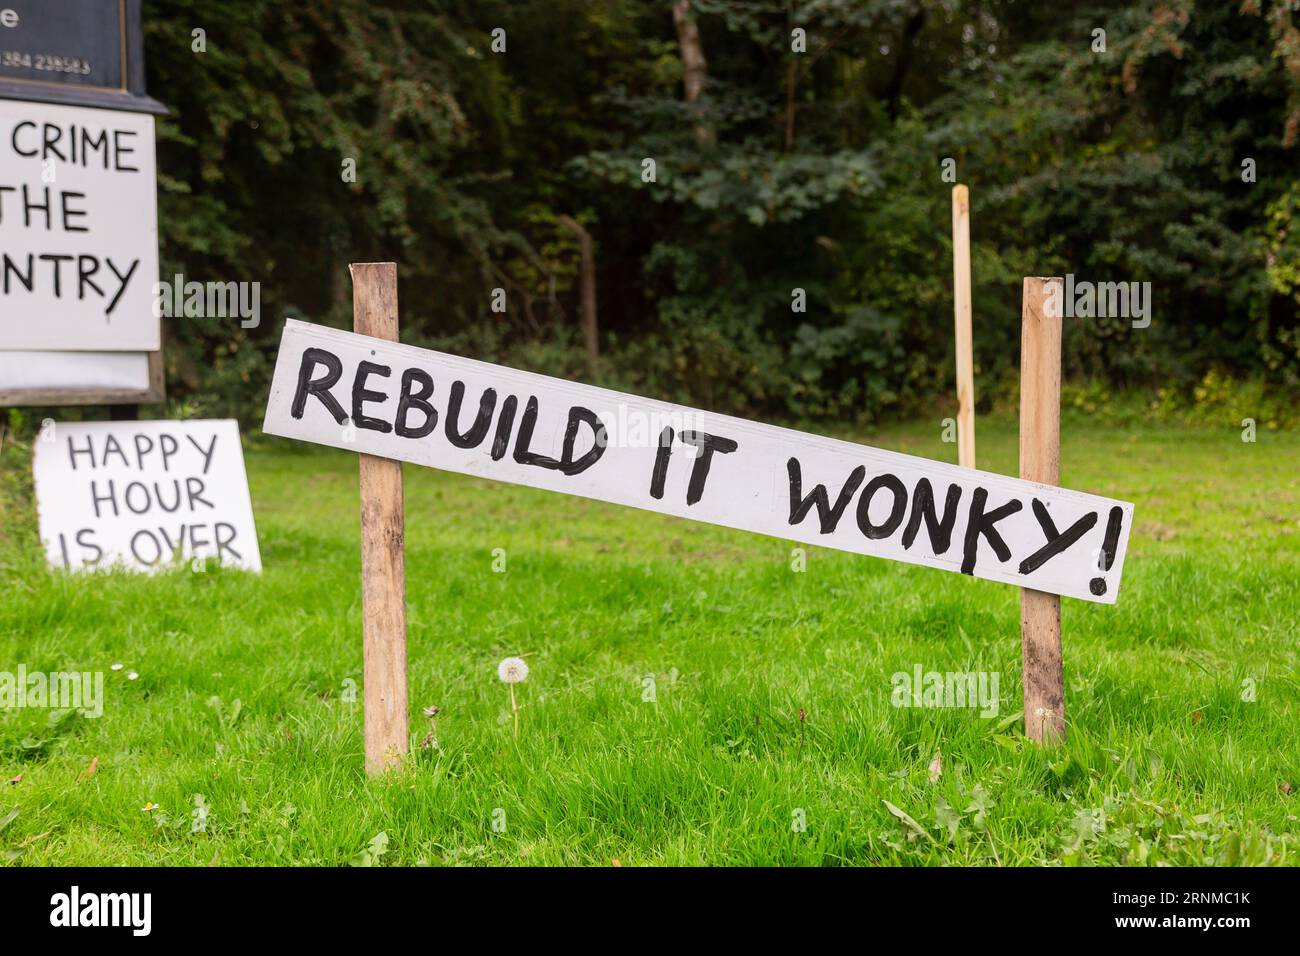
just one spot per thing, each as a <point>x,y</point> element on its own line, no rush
<point>241,687</point>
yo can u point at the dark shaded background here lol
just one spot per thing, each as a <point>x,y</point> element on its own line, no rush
<point>819,171</point>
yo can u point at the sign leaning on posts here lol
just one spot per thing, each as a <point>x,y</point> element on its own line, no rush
<point>429,408</point>
<point>396,403</point>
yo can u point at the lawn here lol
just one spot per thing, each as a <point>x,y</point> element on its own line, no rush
<point>693,699</point>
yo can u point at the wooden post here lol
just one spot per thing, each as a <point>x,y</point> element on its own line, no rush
<point>587,282</point>
<point>962,314</point>
<point>1040,460</point>
<point>383,557</point>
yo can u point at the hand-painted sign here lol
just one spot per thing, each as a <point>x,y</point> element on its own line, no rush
<point>78,228</point>
<point>396,401</point>
<point>143,494</point>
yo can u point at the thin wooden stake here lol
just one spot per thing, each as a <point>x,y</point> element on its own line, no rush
<point>383,556</point>
<point>1040,460</point>
<point>587,282</point>
<point>962,314</point>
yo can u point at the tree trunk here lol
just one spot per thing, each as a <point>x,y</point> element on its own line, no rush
<point>893,93</point>
<point>694,68</point>
<point>587,283</point>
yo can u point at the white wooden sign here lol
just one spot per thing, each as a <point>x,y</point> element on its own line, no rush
<point>396,401</point>
<point>78,229</point>
<point>143,494</point>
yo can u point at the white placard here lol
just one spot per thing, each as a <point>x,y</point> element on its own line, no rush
<point>78,228</point>
<point>141,494</point>
<point>396,401</point>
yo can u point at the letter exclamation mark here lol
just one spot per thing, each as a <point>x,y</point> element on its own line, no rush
<point>1109,548</point>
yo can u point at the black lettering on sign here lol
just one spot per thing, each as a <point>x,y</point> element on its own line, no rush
<point>828,517</point>
<point>111,447</point>
<point>194,493</point>
<point>506,422</point>
<point>173,547</point>
<point>28,207</point>
<point>176,503</point>
<point>939,529</point>
<point>567,464</point>
<point>361,395</point>
<point>52,135</point>
<point>123,282</point>
<point>320,387</point>
<point>226,534</point>
<point>478,431</point>
<point>85,538</point>
<point>96,497</point>
<point>135,549</point>
<point>82,535</point>
<point>69,227</point>
<point>526,425</point>
<point>74,451</point>
<point>1056,542</point>
<point>87,266</point>
<point>207,454</point>
<point>144,440</point>
<point>579,416</point>
<point>419,400</point>
<point>94,144</point>
<point>13,140</point>
<point>57,262</point>
<point>136,503</point>
<point>707,445</point>
<point>11,265</point>
<point>980,523</point>
<point>896,511</point>
<point>1098,585</point>
<point>170,446</point>
<point>662,456</point>
<point>120,151</point>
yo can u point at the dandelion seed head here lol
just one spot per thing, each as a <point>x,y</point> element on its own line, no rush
<point>512,670</point>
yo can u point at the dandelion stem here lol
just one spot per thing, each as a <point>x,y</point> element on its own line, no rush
<point>515,708</point>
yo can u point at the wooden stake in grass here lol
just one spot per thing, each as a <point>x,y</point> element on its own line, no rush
<point>383,556</point>
<point>962,313</point>
<point>1040,460</point>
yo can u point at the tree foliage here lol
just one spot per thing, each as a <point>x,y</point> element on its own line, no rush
<point>819,180</point>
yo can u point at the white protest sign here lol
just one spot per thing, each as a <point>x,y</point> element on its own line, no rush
<point>78,228</point>
<point>396,401</point>
<point>139,494</point>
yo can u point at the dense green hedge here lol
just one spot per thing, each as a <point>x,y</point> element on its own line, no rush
<point>1123,165</point>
